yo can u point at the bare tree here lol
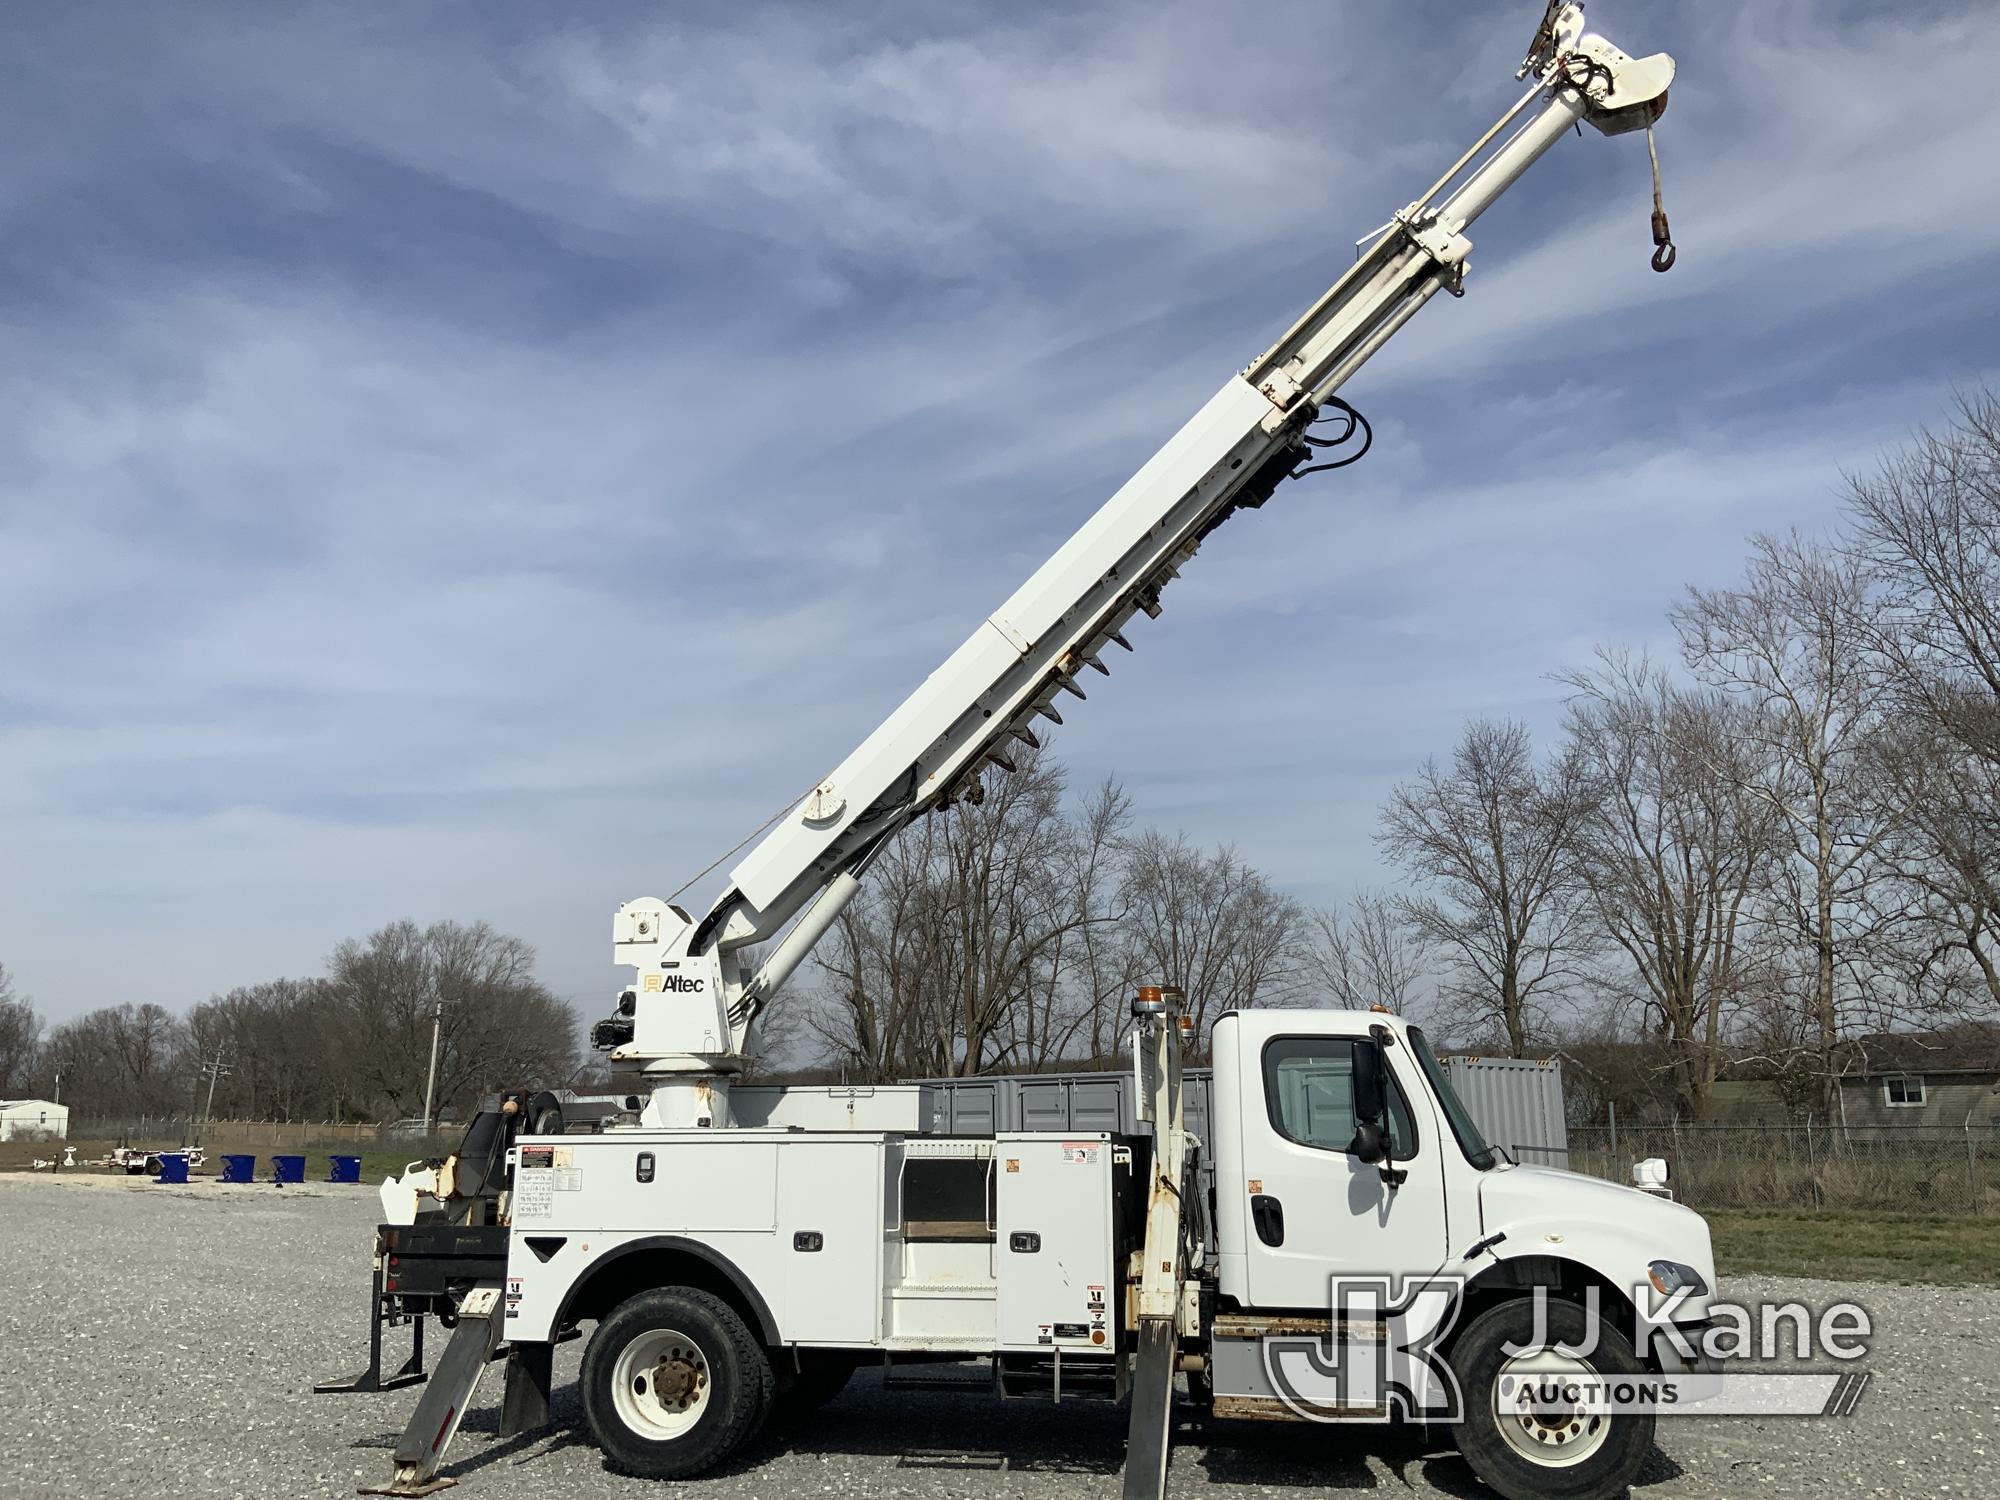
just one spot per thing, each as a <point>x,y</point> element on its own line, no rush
<point>355,1045</point>
<point>20,1034</point>
<point>854,1013</point>
<point>1675,850</point>
<point>1927,527</point>
<point>384,993</point>
<point>1208,922</point>
<point>1097,966</point>
<point>282,1049</point>
<point>79,1052</point>
<point>952,960</point>
<point>143,1039</point>
<point>498,1025</point>
<point>1366,954</point>
<point>1938,899</point>
<point>1495,837</point>
<point>1793,642</point>
<point>117,1060</point>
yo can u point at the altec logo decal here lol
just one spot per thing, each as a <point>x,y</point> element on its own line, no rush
<point>682,984</point>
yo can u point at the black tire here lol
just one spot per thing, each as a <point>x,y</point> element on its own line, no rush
<point>1494,1445</point>
<point>689,1409</point>
<point>809,1378</point>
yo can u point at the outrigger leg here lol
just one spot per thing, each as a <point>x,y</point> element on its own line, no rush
<point>421,1448</point>
<point>372,1379</point>
<point>1151,1433</point>
<point>1162,1272</point>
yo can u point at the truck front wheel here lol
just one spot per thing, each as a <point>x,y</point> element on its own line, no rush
<point>1525,1445</point>
<point>673,1383</point>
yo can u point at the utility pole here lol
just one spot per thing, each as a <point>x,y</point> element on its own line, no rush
<point>430,1083</point>
<point>215,1068</point>
<point>58,1097</point>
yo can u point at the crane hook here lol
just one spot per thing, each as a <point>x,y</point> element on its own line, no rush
<point>1663,240</point>
<point>1663,247</point>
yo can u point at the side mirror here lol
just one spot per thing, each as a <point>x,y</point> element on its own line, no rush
<point>1371,1104</point>
<point>1371,1142</point>
<point>1371,1093</point>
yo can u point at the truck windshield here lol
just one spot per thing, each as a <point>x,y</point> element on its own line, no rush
<point>1470,1141</point>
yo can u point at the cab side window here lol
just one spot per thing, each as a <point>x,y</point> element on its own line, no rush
<point>1309,1091</point>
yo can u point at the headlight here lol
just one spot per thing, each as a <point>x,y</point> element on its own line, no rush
<point>1670,1276</point>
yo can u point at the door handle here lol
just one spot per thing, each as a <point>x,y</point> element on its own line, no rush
<point>1268,1214</point>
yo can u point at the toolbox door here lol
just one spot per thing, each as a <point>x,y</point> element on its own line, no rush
<point>829,1245</point>
<point>1052,1242</point>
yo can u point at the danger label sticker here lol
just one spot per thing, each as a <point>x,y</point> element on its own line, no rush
<point>1081,1153</point>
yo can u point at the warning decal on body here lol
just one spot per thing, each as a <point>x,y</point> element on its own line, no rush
<point>537,1156</point>
<point>1081,1153</point>
<point>534,1197</point>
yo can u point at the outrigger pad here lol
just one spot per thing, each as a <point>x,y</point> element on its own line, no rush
<point>427,1487</point>
<point>370,1381</point>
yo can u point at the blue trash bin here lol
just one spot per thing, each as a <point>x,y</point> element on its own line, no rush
<point>174,1168</point>
<point>288,1169</point>
<point>239,1169</point>
<point>345,1169</point>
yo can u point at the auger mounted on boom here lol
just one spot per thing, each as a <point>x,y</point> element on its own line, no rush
<point>740,1251</point>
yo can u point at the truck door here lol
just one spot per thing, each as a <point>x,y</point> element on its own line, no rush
<point>1314,1208</point>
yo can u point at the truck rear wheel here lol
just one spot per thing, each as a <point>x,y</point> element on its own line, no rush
<point>1578,1452</point>
<point>673,1383</point>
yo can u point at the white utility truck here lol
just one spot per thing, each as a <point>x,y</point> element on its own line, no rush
<point>736,1261</point>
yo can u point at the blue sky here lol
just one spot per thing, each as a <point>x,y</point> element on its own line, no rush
<point>472,461</point>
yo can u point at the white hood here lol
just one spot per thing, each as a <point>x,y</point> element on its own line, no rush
<point>1529,1204</point>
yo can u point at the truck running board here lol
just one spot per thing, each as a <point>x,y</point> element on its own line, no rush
<point>435,1422</point>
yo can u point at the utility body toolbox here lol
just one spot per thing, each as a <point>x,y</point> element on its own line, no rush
<point>1011,1243</point>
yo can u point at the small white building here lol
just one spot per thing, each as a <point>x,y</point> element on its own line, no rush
<point>33,1120</point>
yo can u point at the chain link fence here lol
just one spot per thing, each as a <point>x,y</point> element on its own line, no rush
<point>174,1131</point>
<point>1894,1168</point>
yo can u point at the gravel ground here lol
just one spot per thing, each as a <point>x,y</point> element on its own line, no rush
<point>162,1342</point>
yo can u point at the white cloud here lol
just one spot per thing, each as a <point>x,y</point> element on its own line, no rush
<point>482,468</point>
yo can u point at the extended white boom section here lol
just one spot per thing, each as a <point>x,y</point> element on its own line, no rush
<point>692,1007</point>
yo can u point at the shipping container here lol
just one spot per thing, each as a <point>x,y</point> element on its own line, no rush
<point>1517,1103</point>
